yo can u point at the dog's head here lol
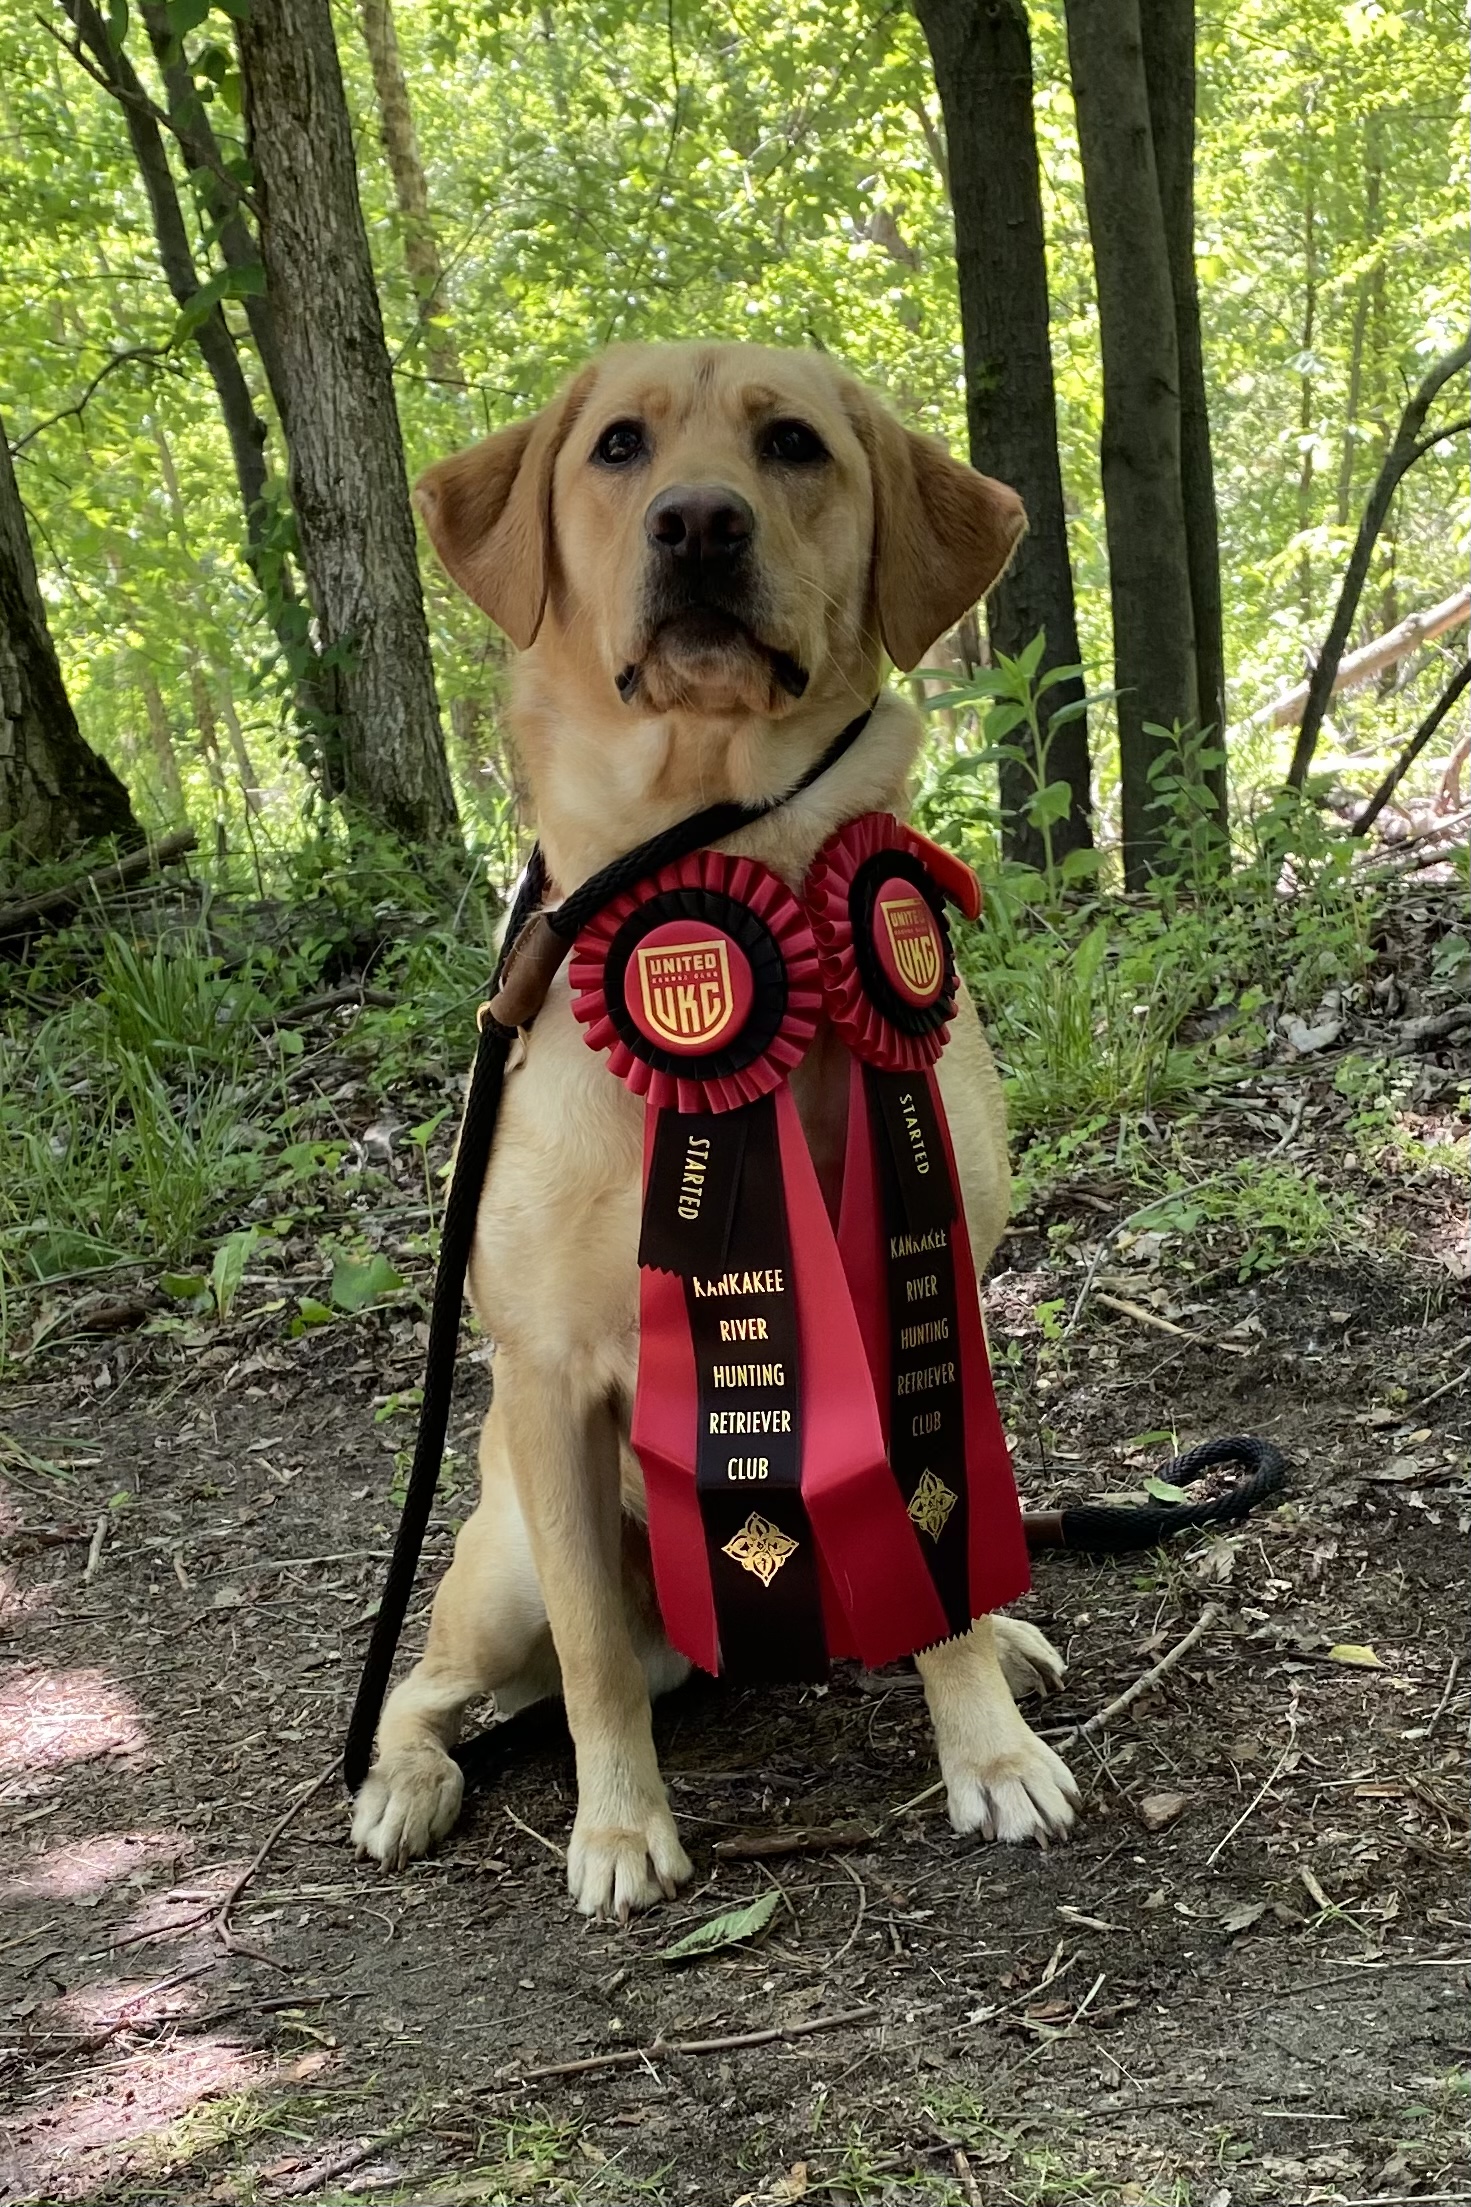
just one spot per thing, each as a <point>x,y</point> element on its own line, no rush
<point>718,528</point>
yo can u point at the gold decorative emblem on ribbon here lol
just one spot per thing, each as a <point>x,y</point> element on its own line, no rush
<point>930,1505</point>
<point>761,1547</point>
<point>915,941</point>
<point>686,990</point>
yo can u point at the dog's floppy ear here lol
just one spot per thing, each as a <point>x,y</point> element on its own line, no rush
<point>942,534</point>
<point>488,512</point>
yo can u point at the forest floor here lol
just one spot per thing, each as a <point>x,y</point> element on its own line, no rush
<point>1244,1980</point>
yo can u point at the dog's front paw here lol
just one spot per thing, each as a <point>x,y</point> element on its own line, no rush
<point>1013,1789</point>
<point>408,1802</point>
<point>1030,1661</point>
<point>612,1869</point>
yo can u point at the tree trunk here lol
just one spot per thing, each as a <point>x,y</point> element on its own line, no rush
<point>1305,377</point>
<point>1168,27</point>
<point>243,425</point>
<point>411,190</point>
<point>1148,550</point>
<point>161,738</point>
<point>348,483</point>
<point>1367,285</point>
<point>1408,447</point>
<point>54,791</point>
<point>982,58</point>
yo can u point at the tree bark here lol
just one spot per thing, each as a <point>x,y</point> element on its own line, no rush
<point>348,483</point>
<point>204,159</point>
<point>1168,28</point>
<point>243,425</point>
<point>1408,447</point>
<point>1148,548</point>
<point>982,57</point>
<point>55,792</point>
<point>411,190</point>
<point>161,737</point>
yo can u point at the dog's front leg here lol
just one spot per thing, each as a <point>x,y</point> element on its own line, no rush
<point>1000,1779</point>
<point>625,1851</point>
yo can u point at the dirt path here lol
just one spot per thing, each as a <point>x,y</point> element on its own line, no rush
<point>1245,1981</point>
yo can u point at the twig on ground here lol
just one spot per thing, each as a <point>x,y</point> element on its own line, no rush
<point>1261,1793</point>
<point>507,2080</point>
<point>968,2184</point>
<point>1167,1325</point>
<point>219,1922</point>
<point>1450,1686</point>
<point>858,1919</point>
<point>351,992</point>
<point>551,1846</point>
<point>338,2164</point>
<point>767,1846</point>
<point>1458,1379</point>
<point>94,1551</point>
<point>1167,1662</point>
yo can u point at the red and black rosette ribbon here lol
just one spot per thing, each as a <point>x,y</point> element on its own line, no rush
<point>702,984</point>
<point>877,904</point>
<point>877,893</point>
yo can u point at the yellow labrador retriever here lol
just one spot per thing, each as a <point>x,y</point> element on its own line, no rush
<point>703,553</point>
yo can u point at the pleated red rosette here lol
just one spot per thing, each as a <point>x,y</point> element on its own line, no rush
<point>719,944</point>
<point>875,895</point>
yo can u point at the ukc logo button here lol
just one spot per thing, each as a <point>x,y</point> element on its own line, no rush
<point>691,988</point>
<point>906,936</point>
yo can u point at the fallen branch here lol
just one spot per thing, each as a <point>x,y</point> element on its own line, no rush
<point>219,1922</point>
<point>1454,689</point>
<point>1408,447</point>
<point>507,2080</point>
<point>1370,659</point>
<point>768,1845</point>
<point>351,992</point>
<point>1145,1317</point>
<point>1209,1615</point>
<point>68,895</point>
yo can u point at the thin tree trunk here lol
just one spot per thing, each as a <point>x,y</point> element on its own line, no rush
<point>250,787</point>
<point>161,741</point>
<point>411,190</point>
<point>349,487</point>
<point>982,57</point>
<point>1373,190</point>
<point>1169,65</point>
<point>1408,447</point>
<point>1148,548</point>
<point>243,425</point>
<point>55,792</point>
<point>1305,384</point>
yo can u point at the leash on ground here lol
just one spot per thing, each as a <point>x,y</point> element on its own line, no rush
<point>536,942</point>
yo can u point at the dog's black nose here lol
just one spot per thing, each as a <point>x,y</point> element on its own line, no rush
<point>704,526</point>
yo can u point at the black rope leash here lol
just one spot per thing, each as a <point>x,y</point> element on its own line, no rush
<point>1089,1529</point>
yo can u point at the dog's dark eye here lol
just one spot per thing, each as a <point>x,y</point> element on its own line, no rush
<point>621,442</point>
<point>793,444</point>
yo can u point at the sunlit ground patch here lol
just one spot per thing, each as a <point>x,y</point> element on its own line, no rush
<point>51,1718</point>
<point>70,1869</point>
<point>68,2145</point>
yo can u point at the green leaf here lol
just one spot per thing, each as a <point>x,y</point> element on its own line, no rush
<point>355,1284</point>
<point>1162,1491</point>
<point>247,282</point>
<point>726,1930</point>
<point>1080,865</point>
<point>185,1287</point>
<point>1356,1657</point>
<point>309,1312</point>
<point>186,15</point>
<point>117,23</point>
<point>1031,659</point>
<point>1045,807</point>
<point>228,1269</point>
